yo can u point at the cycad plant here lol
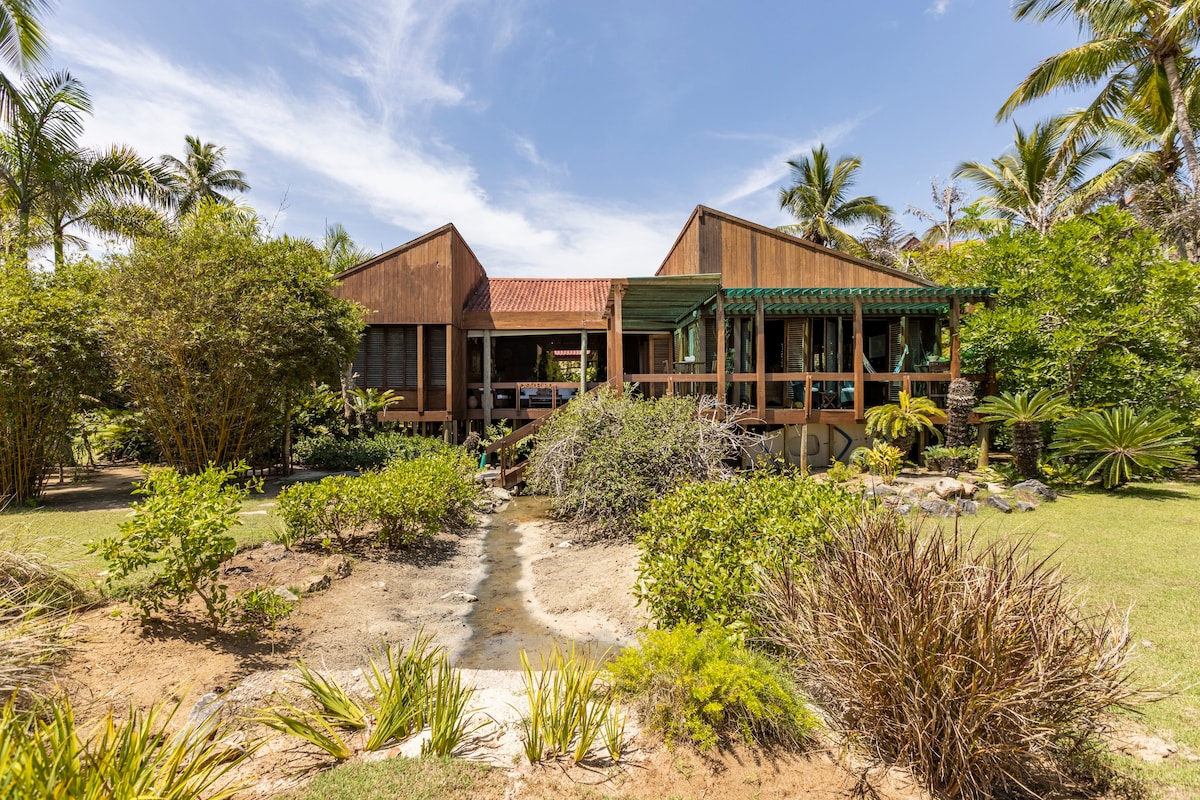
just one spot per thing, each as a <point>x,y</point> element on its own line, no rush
<point>1123,445</point>
<point>1025,415</point>
<point>899,422</point>
<point>959,400</point>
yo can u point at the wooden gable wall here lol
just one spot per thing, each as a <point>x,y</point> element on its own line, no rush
<point>747,255</point>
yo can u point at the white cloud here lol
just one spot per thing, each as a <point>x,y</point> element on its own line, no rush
<point>938,7</point>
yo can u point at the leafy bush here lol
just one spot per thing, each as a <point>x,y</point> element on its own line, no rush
<point>880,459</point>
<point>898,423</point>
<point>404,502</point>
<point>939,457</point>
<point>47,755</point>
<point>365,452</point>
<point>261,608</point>
<point>702,545</point>
<point>970,663</point>
<point>1120,445</point>
<point>839,472</point>
<point>698,685</point>
<point>181,530</point>
<point>604,456</point>
<point>122,436</point>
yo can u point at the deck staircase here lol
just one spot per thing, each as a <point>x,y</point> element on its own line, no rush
<point>511,468</point>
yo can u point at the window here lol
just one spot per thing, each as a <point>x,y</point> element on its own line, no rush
<point>387,357</point>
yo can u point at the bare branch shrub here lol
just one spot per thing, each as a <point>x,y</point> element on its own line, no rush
<point>606,455</point>
<point>972,663</point>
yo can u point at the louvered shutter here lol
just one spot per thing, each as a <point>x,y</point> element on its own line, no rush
<point>437,357</point>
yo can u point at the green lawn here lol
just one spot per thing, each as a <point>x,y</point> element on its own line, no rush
<point>1139,549</point>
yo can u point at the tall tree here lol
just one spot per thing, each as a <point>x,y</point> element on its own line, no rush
<point>200,175</point>
<point>1043,177</point>
<point>1130,42</point>
<point>818,198</point>
<point>22,42</point>
<point>340,250</point>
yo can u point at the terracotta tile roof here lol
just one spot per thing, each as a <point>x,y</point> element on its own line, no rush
<point>539,294</point>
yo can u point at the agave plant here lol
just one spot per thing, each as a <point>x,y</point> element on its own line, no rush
<point>1025,415</point>
<point>899,422</point>
<point>1123,445</point>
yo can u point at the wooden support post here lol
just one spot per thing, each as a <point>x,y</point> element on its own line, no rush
<point>720,391</point>
<point>583,365</point>
<point>421,387</point>
<point>452,403</point>
<point>859,344</point>
<point>487,379</point>
<point>737,360</point>
<point>804,446</point>
<point>617,365</point>
<point>984,455</point>
<point>760,358</point>
<point>955,358</point>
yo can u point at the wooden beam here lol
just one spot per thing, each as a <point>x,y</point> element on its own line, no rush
<point>721,346</point>
<point>487,378</point>
<point>451,386</point>
<point>421,387</point>
<point>617,364</point>
<point>760,356</point>
<point>859,346</point>
<point>737,359</point>
<point>583,361</point>
<point>955,358</point>
<point>804,446</point>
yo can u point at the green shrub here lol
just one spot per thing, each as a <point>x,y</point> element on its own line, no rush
<point>939,457</point>
<point>698,685</point>
<point>181,530</point>
<point>603,457</point>
<point>1119,445</point>
<point>702,545</point>
<point>46,755</point>
<point>970,663</point>
<point>881,459</point>
<point>261,608</point>
<point>568,706</point>
<point>396,506</point>
<point>365,452</point>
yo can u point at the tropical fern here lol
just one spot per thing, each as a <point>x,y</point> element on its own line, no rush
<point>1123,445</point>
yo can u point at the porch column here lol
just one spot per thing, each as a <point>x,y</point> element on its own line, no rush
<point>617,364</point>
<point>955,358</point>
<point>487,378</point>
<point>451,386</point>
<point>420,369</point>
<point>720,390</point>
<point>737,360</point>
<point>859,383</point>
<point>583,361</point>
<point>760,357</point>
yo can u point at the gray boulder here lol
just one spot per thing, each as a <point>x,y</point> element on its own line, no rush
<point>939,508</point>
<point>999,503</point>
<point>1037,488</point>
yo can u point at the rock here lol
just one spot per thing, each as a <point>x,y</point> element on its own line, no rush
<point>939,508</point>
<point>500,494</point>
<point>967,508</point>
<point>566,544</point>
<point>485,506</point>
<point>286,594</point>
<point>969,490</point>
<point>1027,497</point>
<point>337,565</point>
<point>1038,488</point>
<point>314,583</point>
<point>880,490</point>
<point>946,488</point>
<point>892,501</point>
<point>999,503</point>
<point>1025,505</point>
<point>461,597</point>
<point>202,721</point>
<point>904,508</point>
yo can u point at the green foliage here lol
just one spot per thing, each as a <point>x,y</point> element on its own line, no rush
<point>181,530</point>
<point>1025,415</point>
<point>364,452</point>
<point>568,706</point>
<point>1120,445</point>
<point>899,422</point>
<point>45,754</point>
<point>401,688</point>
<point>840,473</point>
<point>703,545</point>
<point>603,457</point>
<point>936,456</point>
<point>879,459</point>
<point>261,608</point>
<point>217,331</point>
<point>698,685</point>
<point>1093,310</point>
<point>336,705</point>
<point>396,506</point>
<point>316,729</point>
<point>121,436</point>
<point>49,355</point>
<point>968,661</point>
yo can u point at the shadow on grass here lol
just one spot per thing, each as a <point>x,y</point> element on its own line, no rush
<point>1136,492</point>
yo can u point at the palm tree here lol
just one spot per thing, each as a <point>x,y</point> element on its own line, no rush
<point>341,252</point>
<point>1043,178</point>
<point>818,199</point>
<point>1025,415</point>
<point>200,175</point>
<point>1131,42</point>
<point>22,43</point>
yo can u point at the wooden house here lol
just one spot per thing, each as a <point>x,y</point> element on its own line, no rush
<point>808,334</point>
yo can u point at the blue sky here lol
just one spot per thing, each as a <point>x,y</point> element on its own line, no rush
<point>562,138</point>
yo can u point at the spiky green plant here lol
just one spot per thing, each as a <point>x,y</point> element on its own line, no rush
<point>1122,444</point>
<point>315,729</point>
<point>448,713</point>
<point>337,706</point>
<point>1025,415</point>
<point>567,704</point>
<point>401,686</point>
<point>900,422</point>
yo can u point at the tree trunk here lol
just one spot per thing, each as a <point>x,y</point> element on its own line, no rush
<point>1027,446</point>
<point>1187,137</point>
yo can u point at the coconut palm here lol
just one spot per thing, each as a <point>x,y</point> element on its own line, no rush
<point>899,422</point>
<point>1123,445</point>
<point>340,251</point>
<point>22,43</point>
<point>1025,415</point>
<point>200,175</point>
<point>953,218</point>
<point>818,199</point>
<point>1043,177</point>
<point>1130,42</point>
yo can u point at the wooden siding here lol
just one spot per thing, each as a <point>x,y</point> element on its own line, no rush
<point>684,256</point>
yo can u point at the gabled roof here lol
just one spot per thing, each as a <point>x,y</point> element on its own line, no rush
<point>409,245</point>
<point>507,295</point>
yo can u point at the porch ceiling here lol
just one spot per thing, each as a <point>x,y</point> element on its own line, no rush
<point>661,302</point>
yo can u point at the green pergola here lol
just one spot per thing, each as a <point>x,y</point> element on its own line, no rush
<point>662,302</point>
<point>885,300</point>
